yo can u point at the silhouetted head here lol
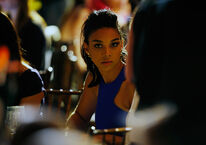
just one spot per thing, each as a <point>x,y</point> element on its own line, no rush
<point>9,37</point>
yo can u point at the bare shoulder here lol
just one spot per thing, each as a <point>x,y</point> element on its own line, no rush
<point>125,95</point>
<point>128,85</point>
<point>128,88</point>
<point>88,79</point>
<point>92,90</point>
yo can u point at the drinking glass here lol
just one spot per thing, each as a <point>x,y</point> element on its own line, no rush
<point>13,116</point>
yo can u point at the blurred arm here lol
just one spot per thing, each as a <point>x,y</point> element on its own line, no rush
<point>33,100</point>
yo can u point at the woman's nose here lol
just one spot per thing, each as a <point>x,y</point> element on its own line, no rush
<point>107,51</point>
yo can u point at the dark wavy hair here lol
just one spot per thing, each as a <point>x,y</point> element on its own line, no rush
<point>9,37</point>
<point>96,20</point>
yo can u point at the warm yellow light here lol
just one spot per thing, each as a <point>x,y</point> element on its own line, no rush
<point>34,5</point>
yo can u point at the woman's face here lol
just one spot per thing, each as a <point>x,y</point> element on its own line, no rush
<point>105,46</point>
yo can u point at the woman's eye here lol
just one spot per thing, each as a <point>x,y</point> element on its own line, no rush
<point>115,44</point>
<point>98,45</point>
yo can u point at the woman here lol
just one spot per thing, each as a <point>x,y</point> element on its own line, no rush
<point>106,92</point>
<point>23,84</point>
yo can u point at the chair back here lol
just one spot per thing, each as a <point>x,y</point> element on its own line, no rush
<point>63,61</point>
<point>46,76</point>
<point>60,100</point>
<point>111,136</point>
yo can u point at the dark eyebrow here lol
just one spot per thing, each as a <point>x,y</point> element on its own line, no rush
<point>102,41</point>
<point>96,41</point>
<point>115,39</point>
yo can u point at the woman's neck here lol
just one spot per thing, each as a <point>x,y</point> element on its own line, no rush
<point>110,76</point>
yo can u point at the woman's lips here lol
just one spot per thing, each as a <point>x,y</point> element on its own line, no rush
<point>106,62</point>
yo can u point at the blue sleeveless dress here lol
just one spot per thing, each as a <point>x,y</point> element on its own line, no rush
<point>107,114</point>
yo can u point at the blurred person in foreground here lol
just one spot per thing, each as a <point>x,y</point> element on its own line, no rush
<point>106,91</point>
<point>29,30</point>
<point>166,63</point>
<point>23,84</point>
<point>48,133</point>
<point>49,130</point>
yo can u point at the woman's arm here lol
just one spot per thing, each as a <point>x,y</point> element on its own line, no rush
<point>33,100</point>
<point>80,118</point>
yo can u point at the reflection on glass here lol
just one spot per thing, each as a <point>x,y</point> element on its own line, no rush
<point>13,116</point>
